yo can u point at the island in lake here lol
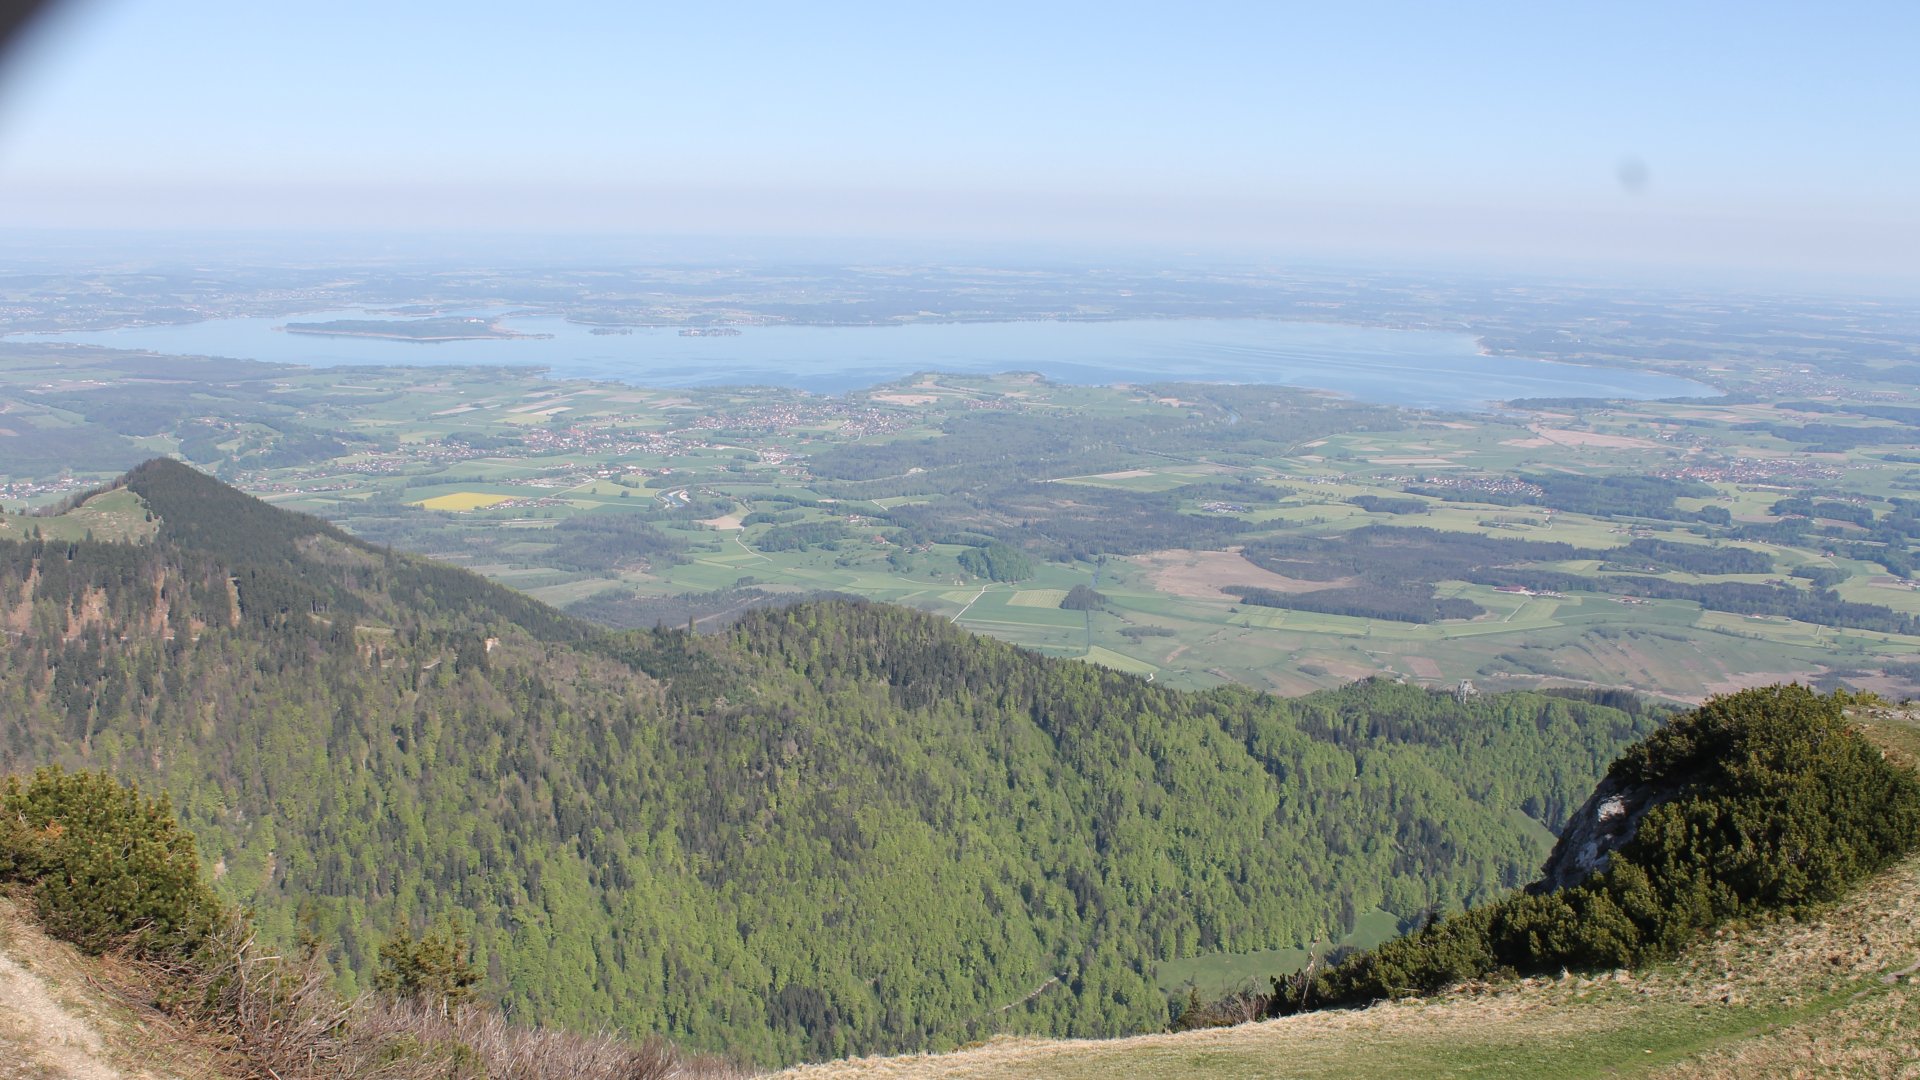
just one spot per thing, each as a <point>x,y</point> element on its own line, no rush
<point>447,328</point>
<point>709,331</point>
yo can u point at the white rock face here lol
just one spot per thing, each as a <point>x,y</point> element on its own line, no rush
<point>1597,830</point>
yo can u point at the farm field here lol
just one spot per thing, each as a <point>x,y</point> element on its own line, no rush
<point>463,500</point>
<point>634,505</point>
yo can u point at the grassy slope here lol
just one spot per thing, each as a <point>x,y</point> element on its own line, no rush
<point>1838,995</point>
<point>59,1019</point>
<point>113,515</point>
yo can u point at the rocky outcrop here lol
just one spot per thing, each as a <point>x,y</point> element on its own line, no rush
<point>1603,825</point>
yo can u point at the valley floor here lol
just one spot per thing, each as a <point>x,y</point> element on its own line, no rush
<point>1836,996</point>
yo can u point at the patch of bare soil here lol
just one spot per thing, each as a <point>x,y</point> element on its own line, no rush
<point>16,617</point>
<point>43,1036</point>
<point>93,612</point>
<point>1200,575</point>
<point>1744,680</point>
<point>1347,670</point>
<point>1423,666</point>
<point>55,1021</point>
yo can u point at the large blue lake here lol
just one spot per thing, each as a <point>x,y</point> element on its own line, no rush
<point>1397,367</point>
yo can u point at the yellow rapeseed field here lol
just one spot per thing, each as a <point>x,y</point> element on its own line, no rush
<point>462,500</point>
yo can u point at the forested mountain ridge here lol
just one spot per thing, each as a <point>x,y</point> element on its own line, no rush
<point>839,827</point>
<point>1737,899</point>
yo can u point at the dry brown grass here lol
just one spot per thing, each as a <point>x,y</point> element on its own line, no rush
<point>1834,996</point>
<point>62,1016</point>
<point>1894,729</point>
<point>39,1033</point>
<point>283,1020</point>
<point>240,1012</point>
<point>1311,1044</point>
<point>1875,1038</point>
<point>482,1043</point>
<point>1866,949</point>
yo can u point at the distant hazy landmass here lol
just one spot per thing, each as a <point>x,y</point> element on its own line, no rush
<point>448,328</point>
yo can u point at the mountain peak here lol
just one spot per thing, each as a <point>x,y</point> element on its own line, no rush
<point>201,512</point>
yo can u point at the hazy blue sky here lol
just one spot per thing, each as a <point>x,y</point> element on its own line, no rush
<point>1764,134</point>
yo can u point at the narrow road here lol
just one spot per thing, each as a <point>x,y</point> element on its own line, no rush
<point>970,603</point>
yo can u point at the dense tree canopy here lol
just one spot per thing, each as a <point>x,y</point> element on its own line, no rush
<point>1760,801</point>
<point>838,827</point>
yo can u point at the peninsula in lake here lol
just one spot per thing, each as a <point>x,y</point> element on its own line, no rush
<point>448,328</point>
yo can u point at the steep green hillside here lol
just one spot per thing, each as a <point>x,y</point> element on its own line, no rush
<point>839,828</point>
<point>1831,997</point>
<point>1757,803</point>
<point>117,960</point>
<point>1774,808</point>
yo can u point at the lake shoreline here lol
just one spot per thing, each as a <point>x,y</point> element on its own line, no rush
<point>377,335</point>
<point>1415,368</point>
